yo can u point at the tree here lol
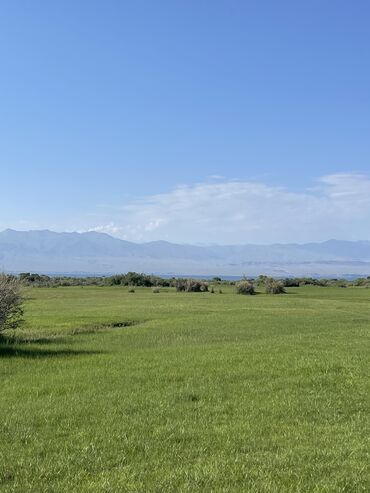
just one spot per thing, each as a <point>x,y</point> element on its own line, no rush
<point>11,302</point>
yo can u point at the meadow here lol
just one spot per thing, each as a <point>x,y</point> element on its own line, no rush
<point>104,390</point>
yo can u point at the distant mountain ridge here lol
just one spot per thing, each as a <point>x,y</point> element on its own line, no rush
<point>92,252</point>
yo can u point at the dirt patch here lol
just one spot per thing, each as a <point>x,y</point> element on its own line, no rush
<point>108,325</point>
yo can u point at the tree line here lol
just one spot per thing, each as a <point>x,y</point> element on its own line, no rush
<point>149,280</point>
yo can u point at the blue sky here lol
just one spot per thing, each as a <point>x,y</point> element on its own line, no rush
<point>190,121</point>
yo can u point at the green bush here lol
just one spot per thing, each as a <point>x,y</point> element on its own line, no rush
<point>11,302</point>
<point>194,286</point>
<point>136,279</point>
<point>273,286</point>
<point>245,287</point>
<point>191,285</point>
<point>180,285</point>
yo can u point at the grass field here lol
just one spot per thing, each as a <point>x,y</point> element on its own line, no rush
<point>188,392</point>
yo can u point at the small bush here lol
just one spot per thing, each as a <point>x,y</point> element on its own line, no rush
<point>191,285</point>
<point>156,290</point>
<point>180,285</point>
<point>11,302</point>
<point>212,290</point>
<point>245,287</point>
<point>131,290</point>
<point>220,291</point>
<point>273,286</point>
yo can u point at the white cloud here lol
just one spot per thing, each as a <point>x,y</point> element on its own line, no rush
<point>109,228</point>
<point>249,212</point>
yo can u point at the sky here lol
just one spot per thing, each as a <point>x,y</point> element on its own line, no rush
<point>197,121</point>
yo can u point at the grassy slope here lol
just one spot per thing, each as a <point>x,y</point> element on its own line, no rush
<point>207,392</point>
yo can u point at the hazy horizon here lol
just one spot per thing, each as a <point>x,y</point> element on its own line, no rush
<point>112,235</point>
<point>46,251</point>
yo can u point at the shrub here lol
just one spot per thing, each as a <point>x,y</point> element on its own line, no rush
<point>261,280</point>
<point>291,282</point>
<point>245,287</point>
<point>273,286</point>
<point>156,290</point>
<point>136,279</point>
<point>11,302</point>
<point>131,290</point>
<point>180,285</point>
<point>191,285</point>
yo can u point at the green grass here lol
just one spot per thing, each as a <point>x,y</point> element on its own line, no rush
<point>197,393</point>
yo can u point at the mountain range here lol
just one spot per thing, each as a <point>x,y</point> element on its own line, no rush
<point>99,253</point>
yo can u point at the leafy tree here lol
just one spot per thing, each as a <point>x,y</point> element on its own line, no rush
<point>11,302</point>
